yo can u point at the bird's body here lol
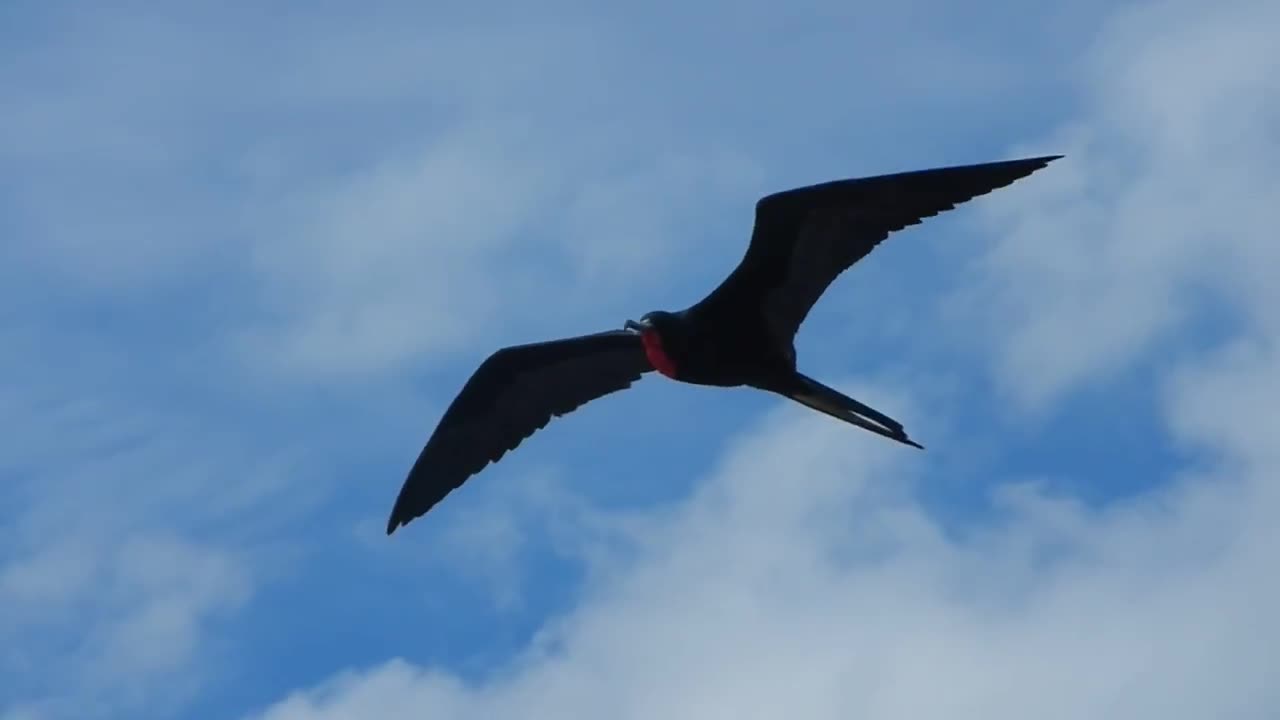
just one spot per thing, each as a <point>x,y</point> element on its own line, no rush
<point>741,334</point>
<point>702,348</point>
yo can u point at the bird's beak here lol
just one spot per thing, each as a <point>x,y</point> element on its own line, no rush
<point>633,326</point>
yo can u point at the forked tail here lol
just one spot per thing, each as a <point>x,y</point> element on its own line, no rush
<point>813,394</point>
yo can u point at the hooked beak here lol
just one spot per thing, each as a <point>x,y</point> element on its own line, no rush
<point>634,326</point>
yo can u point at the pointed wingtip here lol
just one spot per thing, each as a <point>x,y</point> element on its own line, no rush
<point>1028,165</point>
<point>1035,162</point>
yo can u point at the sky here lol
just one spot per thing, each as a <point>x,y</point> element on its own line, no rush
<point>250,253</point>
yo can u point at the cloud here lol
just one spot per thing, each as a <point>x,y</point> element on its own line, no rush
<point>382,264</point>
<point>124,526</point>
<point>380,203</point>
<point>343,184</point>
<point>145,601</point>
<point>112,625</point>
<point>433,251</point>
<point>1167,199</point>
<point>805,578</point>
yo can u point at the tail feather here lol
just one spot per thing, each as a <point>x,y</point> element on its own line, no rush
<point>815,395</point>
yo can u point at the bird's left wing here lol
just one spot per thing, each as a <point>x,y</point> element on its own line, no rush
<point>513,394</point>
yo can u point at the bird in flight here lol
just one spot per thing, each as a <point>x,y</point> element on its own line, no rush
<point>741,334</point>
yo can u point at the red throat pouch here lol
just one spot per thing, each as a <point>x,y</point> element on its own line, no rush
<point>657,356</point>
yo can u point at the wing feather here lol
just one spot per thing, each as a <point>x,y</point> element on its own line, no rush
<point>514,393</point>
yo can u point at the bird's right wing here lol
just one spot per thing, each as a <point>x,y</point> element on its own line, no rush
<point>804,238</point>
<point>513,394</point>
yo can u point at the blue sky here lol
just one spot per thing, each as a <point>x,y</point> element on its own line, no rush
<point>250,254</point>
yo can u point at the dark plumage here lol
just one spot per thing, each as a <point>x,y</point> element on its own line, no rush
<point>741,334</point>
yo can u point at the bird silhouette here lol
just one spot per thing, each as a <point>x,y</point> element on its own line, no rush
<point>741,334</point>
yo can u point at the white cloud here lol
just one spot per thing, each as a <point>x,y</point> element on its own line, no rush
<point>1168,190</point>
<point>115,552</point>
<point>121,621</point>
<point>430,252</point>
<point>358,182</point>
<point>1228,402</point>
<point>368,171</point>
<point>804,580</point>
<point>379,268</point>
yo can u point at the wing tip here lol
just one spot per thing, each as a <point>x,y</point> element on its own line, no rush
<point>399,517</point>
<point>1011,171</point>
<point>1031,163</point>
<point>1041,161</point>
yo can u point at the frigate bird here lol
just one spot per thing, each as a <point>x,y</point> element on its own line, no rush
<point>741,334</point>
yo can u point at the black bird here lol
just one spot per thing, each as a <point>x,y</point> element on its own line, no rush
<point>739,335</point>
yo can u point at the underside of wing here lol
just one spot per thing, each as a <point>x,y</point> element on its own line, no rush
<point>804,238</point>
<point>513,394</point>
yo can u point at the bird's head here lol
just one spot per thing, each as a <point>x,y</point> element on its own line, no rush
<point>662,334</point>
<point>659,322</point>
